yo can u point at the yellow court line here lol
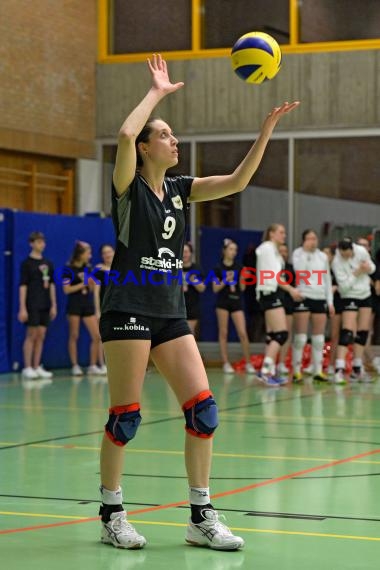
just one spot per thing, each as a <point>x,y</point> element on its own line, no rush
<point>147,411</point>
<point>41,515</point>
<point>183,525</point>
<point>215,454</point>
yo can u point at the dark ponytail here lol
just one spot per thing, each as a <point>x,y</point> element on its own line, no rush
<point>143,137</point>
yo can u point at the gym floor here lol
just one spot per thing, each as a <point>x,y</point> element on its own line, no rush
<point>296,472</point>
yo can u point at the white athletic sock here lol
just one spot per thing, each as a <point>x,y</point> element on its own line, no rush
<point>317,344</point>
<point>268,365</point>
<point>111,497</point>
<point>298,346</point>
<point>340,364</point>
<point>357,362</point>
<point>199,495</point>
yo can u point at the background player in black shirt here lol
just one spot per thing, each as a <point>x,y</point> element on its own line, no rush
<point>143,312</point>
<point>192,287</point>
<point>37,305</point>
<point>81,306</point>
<point>229,302</point>
<point>102,271</point>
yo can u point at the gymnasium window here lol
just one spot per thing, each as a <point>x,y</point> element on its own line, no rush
<point>150,26</point>
<point>225,20</point>
<point>130,30</point>
<point>339,20</point>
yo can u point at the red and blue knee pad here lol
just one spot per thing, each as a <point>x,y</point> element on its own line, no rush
<point>123,423</point>
<point>201,414</point>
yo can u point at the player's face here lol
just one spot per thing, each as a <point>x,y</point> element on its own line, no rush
<point>346,253</point>
<point>364,243</point>
<point>39,245</point>
<point>230,251</point>
<point>162,146</point>
<point>86,255</point>
<point>283,249</point>
<point>279,235</point>
<point>107,255</point>
<point>186,258</point>
<point>310,242</point>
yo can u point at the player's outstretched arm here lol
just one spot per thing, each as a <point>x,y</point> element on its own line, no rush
<point>125,166</point>
<point>212,187</point>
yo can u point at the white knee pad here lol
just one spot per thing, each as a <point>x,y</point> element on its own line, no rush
<point>318,341</point>
<point>299,341</point>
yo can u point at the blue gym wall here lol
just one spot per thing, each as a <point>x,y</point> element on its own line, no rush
<point>61,233</point>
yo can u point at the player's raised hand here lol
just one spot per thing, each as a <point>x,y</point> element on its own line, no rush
<point>160,75</point>
<point>276,114</point>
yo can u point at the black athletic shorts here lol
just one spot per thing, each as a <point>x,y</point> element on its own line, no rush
<point>288,303</point>
<point>350,304</point>
<point>81,311</point>
<point>230,305</point>
<point>38,318</point>
<point>268,301</point>
<point>193,311</point>
<point>313,306</point>
<point>193,315</point>
<point>338,304</point>
<point>127,326</point>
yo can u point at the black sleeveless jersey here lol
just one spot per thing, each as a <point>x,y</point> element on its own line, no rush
<point>146,272</point>
<point>229,292</point>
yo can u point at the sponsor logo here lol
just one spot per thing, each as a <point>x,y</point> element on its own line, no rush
<point>177,202</point>
<point>163,261</point>
<point>163,250</point>
<point>131,326</point>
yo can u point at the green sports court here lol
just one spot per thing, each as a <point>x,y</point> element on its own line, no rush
<point>295,472</point>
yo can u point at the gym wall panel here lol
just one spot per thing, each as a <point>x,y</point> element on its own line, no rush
<point>337,89</point>
<point>48,56</point>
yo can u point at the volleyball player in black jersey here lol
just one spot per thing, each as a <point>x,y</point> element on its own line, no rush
<point>81,307</point>
<point>229,302</point>
<point>102,271</point>
<point>193,287</point>
<point>143,310</point>
<point>38,306</point>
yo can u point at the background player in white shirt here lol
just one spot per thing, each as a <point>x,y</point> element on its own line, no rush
<point>352,266</point>
<point>269,267</point>
<point>316,290</point>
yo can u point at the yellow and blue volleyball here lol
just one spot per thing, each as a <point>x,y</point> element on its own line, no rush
<point>256,57</point>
